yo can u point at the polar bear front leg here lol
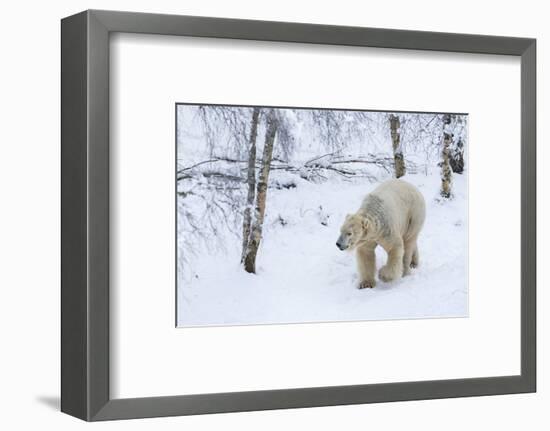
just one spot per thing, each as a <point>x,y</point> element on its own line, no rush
<point>366,263</point>
<point>393,268</point>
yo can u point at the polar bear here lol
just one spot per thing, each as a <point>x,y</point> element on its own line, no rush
<point>391,216</point>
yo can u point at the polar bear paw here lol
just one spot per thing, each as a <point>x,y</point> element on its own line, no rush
<point>387,273</point>
<point>366,284</point>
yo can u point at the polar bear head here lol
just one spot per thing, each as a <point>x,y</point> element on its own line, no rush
<point>352,231</point>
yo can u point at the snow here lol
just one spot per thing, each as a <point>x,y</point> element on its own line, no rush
<point>303,277</point>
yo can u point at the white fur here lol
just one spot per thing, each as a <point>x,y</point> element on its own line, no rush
<point>391,216</point>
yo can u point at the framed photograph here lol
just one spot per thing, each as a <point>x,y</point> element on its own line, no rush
<point>265,215</point>
<point>303,185</point>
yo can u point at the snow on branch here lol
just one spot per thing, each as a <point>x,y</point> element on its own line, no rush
<point>314,169</point>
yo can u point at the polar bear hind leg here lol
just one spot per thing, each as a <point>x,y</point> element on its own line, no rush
<point>415,260</point>
<point>410,255</point>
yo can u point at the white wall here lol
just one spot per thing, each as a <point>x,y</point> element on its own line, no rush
<point>29,227</point>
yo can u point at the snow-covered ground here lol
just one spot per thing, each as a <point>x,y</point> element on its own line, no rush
<point>303,277</point>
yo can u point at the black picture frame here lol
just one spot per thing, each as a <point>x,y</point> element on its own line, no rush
<point>85,214</point>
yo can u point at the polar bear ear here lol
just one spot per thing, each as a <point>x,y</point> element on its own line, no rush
<point>349,216</point>
<point>364,223</point>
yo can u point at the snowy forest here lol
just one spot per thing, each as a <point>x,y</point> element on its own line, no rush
<point>261,195</point>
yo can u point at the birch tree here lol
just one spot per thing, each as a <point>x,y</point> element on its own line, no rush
<point>446,170</point>
<point>457,156</point>
<point>251,181</point>
<point>261,194</point>
<point>459,131</point>
<point>399,161</point>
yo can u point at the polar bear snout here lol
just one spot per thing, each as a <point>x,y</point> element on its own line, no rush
<point>343,242</point>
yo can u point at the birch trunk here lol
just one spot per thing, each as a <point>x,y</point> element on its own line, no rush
<point>261,195</point>
<point>446,171</point>
<point>457,157</point>
<point>251,181</point>
<point>399,161</point>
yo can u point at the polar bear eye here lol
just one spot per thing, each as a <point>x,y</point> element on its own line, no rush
<point>349,233</point>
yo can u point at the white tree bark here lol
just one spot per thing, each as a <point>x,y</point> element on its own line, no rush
<point>446,171</point>
<point>251,181</point>
<point>261,194</point>
<point>399,161</point>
